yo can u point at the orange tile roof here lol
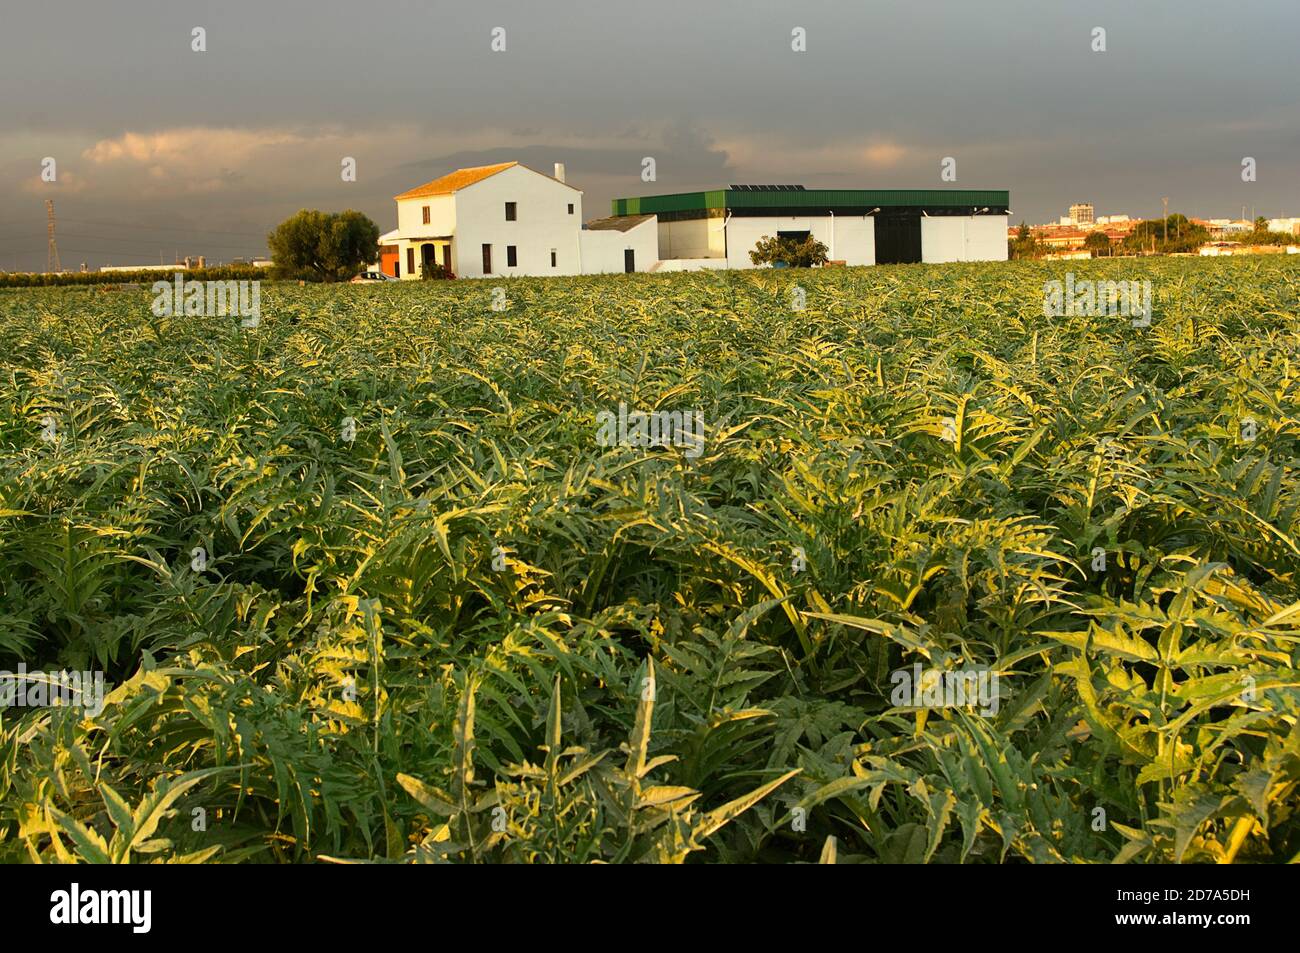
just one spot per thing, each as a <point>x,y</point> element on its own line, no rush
<point>455,181</point>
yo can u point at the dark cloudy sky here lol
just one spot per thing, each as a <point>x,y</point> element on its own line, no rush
<point>163,150</point>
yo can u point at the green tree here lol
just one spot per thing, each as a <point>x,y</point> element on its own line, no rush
<point>1262,235</point>
<point>1098,243</point>
<point>789,251</point>
<point>1165,236</point>
<point>1024,245</point>
<point>323,246</point>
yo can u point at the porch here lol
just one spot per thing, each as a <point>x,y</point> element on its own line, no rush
<point>413,257</point>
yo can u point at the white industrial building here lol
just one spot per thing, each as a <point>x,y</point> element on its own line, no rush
<point>719,229</point>
<point>507,219</point>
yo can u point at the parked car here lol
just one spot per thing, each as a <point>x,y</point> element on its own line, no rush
<point>369,277</point>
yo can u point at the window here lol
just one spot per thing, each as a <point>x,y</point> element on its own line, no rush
<point>426,215</point>
<point>553,258</point>
<point>512,259</point>
<point>410,261</point>
<point>487,259</point>
<point>570,208</point>
<point>512,209</point>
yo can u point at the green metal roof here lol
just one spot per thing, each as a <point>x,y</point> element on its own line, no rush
<point>805,198</point>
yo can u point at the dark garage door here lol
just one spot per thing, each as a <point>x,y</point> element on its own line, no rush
<point>898,238</point>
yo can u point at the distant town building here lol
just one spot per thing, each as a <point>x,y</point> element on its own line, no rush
<point>1064,237</point>
<point>178,266</point>
<point>188,263</point>
<point>1215,249</point>
<point>1220,228</point>
<point>1118,230</point>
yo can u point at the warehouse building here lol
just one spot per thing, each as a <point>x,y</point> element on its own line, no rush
<point>718,229</point>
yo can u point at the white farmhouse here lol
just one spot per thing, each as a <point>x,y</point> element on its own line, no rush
<point>506,220</point>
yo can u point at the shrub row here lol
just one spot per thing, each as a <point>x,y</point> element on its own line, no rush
<point>223,273</point>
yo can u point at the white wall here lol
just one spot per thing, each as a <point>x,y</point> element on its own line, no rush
<point>692,238</point>
<point>543,223</point>
<point>602,249</point>
<point>743,233</point>
<point>943,238</point>
<point>986,238</point>
<point>963,238</point>
<point>442,216</point>
<point>853,240</point>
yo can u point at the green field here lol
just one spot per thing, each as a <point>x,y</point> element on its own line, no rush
<point>473,633</point>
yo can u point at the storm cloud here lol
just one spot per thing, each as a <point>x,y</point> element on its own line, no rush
<point>163,150</point>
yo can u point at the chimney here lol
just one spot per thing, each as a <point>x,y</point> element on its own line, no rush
<point>559,171</point>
